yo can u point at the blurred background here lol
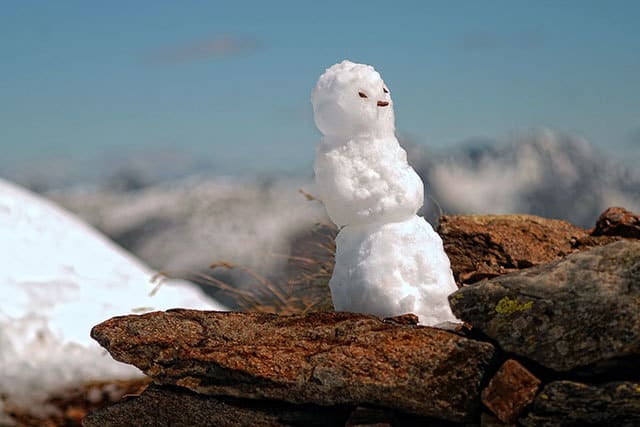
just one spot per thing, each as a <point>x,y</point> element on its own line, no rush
<point>184,131</point>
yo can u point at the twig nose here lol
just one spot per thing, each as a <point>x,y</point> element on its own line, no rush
<point>382,103</point>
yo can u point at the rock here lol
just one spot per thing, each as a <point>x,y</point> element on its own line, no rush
<point>567,403</point>
<point>403,319</point>
<point>489,420</point>
<point>618,222</point>
<point>320,358</point>
<point>363,416</point>
<point>486,246</point>
<point>68,406</point>
<point>511,389</point>
<point>566,314</point>
<point>174,406</point>
<point>371,417</point>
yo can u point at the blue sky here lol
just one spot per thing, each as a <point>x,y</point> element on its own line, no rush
<point>231,82</point>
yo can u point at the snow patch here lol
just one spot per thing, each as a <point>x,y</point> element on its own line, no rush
<point>59,279</point>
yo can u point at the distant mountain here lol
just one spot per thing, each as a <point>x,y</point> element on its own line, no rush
<point>545,173</point>
<point>185,225</point>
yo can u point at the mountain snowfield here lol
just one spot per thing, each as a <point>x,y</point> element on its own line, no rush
<point>59,278</point>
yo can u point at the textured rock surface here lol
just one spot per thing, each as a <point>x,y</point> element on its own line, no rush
<point>370,417</point>
<point>160,406</point>
<point>566,403</point>
<point>321,358</point>
<point>490,420</point>
<point>618,222</point>
<point>380,417</point>
<point>486,246</point>
<point>176,407</point>
<point>511,389</point>
<point>570,313</point>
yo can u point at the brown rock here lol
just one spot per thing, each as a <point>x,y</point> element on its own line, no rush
<point>371,417</point>
<point>67,407</point>
<point>486,246</point>
<point>490,420</point>
<point>321,358</point>
<point>403,319</point>
<point>381,417</point>
<point>178,407</point>
<point>580,312</point>
<point>510,391</point>
<point>568,403</point>
<point>618,222</point>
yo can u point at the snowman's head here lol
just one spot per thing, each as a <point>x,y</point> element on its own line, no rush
<point>352,100</point>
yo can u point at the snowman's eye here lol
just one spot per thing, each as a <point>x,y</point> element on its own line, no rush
<point>362,95</point>
<point>385,90</point>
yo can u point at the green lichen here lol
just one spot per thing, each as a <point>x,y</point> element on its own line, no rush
<point>544,396</point>
<point>458,296</point>
<point>508,306</point>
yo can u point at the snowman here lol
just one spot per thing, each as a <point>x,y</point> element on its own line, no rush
<point>389,261</point>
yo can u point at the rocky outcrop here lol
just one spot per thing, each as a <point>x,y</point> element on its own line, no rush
<point>618,222</point>
<point>320,358</point>
<point>487,246</point>
<point>567,403</point>
<point>561,302</point>
<point>166,406</point>
<point>174,406</point>
<point>511,389</point>
<point>566,314</point>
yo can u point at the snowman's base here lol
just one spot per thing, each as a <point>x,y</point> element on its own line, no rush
<point>391,269</point>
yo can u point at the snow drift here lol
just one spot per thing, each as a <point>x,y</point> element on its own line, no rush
<point>59,278</point>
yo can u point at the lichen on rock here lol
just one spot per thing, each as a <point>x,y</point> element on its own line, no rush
<point>583,308</point>
<point>508,306</point>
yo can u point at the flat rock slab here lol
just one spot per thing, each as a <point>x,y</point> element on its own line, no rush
<point>575,312</point>
<point>320,358</point>
<point>567,403</point>
<point>486,246</point>
<point>176,407</point>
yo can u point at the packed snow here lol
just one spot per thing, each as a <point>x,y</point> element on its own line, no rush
<point>346,102</point>
<point>361,171</point>
<point>406,264</point>
<point>59,278</point>
<point>389,261</point>
<point>363,181</point>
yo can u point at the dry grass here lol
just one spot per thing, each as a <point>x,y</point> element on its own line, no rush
<point>303,286</point>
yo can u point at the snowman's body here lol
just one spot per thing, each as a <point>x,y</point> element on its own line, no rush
<point>367,180</point>
<point>389,261</point>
